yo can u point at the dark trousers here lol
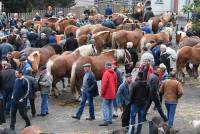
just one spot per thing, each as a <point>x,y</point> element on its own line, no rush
<point>14,107</point>
<point>7,100</point>
<point>2,116</point>
<point>32,103</point>
<point>158,106</point>
<point>126,115</point>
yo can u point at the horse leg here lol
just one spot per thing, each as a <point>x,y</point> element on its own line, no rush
<point>68,83</point>
<point>188,69</point>
<point>195,71</point>
<point>63,82</point>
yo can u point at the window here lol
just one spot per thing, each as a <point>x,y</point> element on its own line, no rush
<point>159,1</point>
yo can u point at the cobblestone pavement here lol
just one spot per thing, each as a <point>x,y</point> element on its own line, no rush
<point>59,120</point>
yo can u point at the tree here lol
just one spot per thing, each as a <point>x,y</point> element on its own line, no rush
<point>28,5</point>
<point>194,8</point>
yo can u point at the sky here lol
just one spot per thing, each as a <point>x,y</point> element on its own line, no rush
<point>84,2</point>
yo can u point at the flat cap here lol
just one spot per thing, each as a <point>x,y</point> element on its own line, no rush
<point>128,75</point>
<point>87,65</point>
<point>23,58</point>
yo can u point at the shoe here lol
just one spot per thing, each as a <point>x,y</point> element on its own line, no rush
<point>75,117</point>
<point>90,118</point>
<point>104,124</point>
<point>27,125</point>
<point>41,115</point>
<point>110,122</point>
<point>115,116</point>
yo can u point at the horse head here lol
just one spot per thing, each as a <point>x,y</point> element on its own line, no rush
<point>102,39</point>
<point>34,57</point>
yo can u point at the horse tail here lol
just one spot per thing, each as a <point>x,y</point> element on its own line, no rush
<point>49,67</point>
<point>114,40</point>
<point>73,78</point>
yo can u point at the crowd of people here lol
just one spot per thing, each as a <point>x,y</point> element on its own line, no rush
<point>155,78</point>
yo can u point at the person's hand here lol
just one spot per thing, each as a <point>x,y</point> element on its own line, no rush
<point>21,100</point>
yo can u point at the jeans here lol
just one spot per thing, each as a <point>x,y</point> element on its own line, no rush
<point>158,106</point>
<point>134,110</point>
<point>7,100</point>
<point>14,107</point>
<point>44,104</point>
<point>84,97</point>
<point>107,110</point>
<point>171,109</point>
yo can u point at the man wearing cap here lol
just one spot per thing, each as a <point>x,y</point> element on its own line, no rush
<point>5,47</point>
<point>123,99</point>
<point>89,82</point>
<point>165,56</point>
<point>148,14</point>
<point>119,82</point>
<point>19,98</point>
<point>108,93</point>
<point>25,66</point>
<point>138,97</point>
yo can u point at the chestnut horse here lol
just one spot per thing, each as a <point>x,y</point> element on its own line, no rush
<point>189,41</point>
<point>61,25</point>
<point>138,12</point>
<point>185,56</point>
<point>64,63</point>
<point>180,35</point>
<point>165,18</point>
<point>97,62</point>
<point>120,38</point>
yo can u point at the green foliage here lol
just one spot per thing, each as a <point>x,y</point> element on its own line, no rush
<point>28,5</point>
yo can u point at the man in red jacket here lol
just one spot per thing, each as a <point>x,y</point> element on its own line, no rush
<point>108,93</point>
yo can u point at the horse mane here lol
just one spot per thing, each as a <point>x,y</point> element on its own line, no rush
<point>86,50</point>
<point>99,33</point>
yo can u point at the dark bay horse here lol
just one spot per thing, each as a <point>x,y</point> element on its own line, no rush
<point>120,55</point>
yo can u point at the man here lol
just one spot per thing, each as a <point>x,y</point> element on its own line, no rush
<point>146,68</point>
<point>138,98</point>
<point>49,12</point>
<point>153,83</point>
<point>89,82</point>
<point>165,56</point>
<point>108,93</point>
<point>37,17</point>
<point>146,55</point>
<point>47,30</point>
<point>25,66</point>
<point>10,60</point>
<point>108,11</point>
<point>5,47</point>
<point>145,28</point>
<point>172,91</point>
<point>71,43</point>
<point>19,98</point>
<point>123,94</point>
<point>8,77</point>
<point>45,83</point>
<point>119,82</point>
<point>148,14</point>
<point>31,95</point>
<point>134,57</point>
<point>87,11</point>
<point>109,23</point>
<point>2,115</point>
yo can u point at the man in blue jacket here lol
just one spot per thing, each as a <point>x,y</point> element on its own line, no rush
<point>108,11</point>
<point>25,66</point>
<point>123,101</point>
<point>19,98</point>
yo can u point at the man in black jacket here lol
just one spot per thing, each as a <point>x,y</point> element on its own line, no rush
<point>8,77</point>
<point>148,14</point>
<point>153,83</point>
<point>138,98</point>
<point>71,43</point>
<point>19,98</point>
<point>89,82</point>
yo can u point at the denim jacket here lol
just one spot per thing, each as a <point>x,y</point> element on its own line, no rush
<point>123,94</point>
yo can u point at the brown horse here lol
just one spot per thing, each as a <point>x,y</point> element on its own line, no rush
<point>120,38</point>
<point>60,26</point>
<point>189,41</point>
<point>70,29</point>
<point>147,38</point>
<point>97,62</point>
<point>165,18</point>
<point>138,12</point>
<point>64,63</point>
<point>119,18</point>
<point>179,36</point>
<point>185,56</point>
